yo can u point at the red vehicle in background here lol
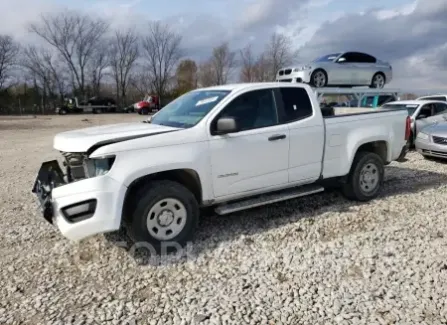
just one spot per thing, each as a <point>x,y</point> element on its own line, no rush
<point>148,104</point>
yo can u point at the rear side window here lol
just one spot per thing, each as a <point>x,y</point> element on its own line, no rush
<point>295,104</point>
<point>440,108</point>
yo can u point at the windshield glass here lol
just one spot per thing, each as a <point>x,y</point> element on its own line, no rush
<point>411,108</point>
<point>188,109</point>
<point>327,58</point>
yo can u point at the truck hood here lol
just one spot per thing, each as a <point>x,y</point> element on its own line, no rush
<point>88,139</point>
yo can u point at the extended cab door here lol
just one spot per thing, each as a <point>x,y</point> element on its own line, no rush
<point>306,127</point>
<point>256,157</point>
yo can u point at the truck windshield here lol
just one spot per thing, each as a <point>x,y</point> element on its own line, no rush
<point>188,109</point>
<point>411,108</point>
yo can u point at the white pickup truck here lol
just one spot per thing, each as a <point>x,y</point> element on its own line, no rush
<point>230,147</point>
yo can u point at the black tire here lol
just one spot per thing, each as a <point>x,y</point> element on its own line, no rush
<point>151,195</point>
<point>373,80</point>
<point>352,189</point>
<point>313,82</point>
<point>145,111</point>
<point>411,141</point>
<point>63,111</point>
<point>97,111</point>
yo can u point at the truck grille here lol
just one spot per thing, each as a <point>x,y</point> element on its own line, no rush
<point>439,140</point>
<point>288,71</point>
<point>281,72</point>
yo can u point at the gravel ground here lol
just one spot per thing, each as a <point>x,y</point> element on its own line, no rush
<point>315,260</point>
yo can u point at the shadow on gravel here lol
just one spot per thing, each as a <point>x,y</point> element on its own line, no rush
<point>215,230</point>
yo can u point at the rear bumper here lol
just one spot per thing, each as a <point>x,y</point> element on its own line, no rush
<point>83,208</point>
<point>427,148</point>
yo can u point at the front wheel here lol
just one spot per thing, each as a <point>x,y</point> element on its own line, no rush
<point>365,178</point>
<point>165,212</point>
<point>318,79</point>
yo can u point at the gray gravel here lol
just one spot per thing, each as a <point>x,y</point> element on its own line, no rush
<point>315,260</point>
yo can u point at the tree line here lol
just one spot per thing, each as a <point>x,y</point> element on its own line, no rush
<point>80,55</point>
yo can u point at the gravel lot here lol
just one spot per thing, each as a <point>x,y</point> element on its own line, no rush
<point>315,260</point>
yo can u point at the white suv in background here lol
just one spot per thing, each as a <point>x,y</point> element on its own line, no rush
<point>434,97</point>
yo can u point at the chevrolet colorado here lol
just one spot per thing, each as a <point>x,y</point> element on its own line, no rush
<point>229,147</point>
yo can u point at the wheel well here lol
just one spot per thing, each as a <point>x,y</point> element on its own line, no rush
<point>320,69</point>
<point>187,177</point>
<point>378,147</point>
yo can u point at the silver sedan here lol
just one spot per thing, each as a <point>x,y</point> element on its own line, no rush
<point>340,69</point>
<point>431,141</point>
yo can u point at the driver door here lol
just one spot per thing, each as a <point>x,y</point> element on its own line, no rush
<point>257,156</point>
<point>345,70</point>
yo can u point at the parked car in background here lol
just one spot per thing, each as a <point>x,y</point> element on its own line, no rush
<point>229,147</point>
<point>422,113</point>
<point>434,97</point>
<point>340,69</point>
<point>431,141</point>
<point>99,101</point>
<point>147,105</point>
<point>93,105</point>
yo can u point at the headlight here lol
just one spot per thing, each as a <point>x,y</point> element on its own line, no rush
<point>422,136</point>
<point>306,67</point>
<point>99,166</point>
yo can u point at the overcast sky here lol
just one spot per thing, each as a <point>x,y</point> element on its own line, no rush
<point>412,35</point>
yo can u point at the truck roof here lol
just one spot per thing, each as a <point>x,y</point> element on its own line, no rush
<point>250,85</point>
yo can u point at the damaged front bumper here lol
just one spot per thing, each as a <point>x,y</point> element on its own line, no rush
<point>50,176</point>
<point>80,208</point>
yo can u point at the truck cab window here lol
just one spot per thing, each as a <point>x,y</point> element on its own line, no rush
<point>252,110</point>
<point>296,104</point>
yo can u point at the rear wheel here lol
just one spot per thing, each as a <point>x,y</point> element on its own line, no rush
<point>365,178</point>
<point>165,212</point>
<point>63,111</point>
<point>378,81</point>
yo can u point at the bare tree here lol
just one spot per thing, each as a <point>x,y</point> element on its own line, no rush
<point>123,57</point>
<point>99,62</point>
<point>9,51</point>
<point>206,75</point>
<point>186,75</point>
<point>223,61</point>
<point>248,61</point>
<point>76,36</point>
<point>278,53</point>
<point>261,70</point>
<point>47,72</point>
<point>161,52</point>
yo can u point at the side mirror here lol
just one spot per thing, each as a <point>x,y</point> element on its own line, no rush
<point>226,125</point>
<point>341,60</point>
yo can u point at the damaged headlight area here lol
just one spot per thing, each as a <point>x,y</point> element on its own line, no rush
<point>80,166</point>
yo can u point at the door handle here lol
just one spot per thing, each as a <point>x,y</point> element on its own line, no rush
<point>277,137</point>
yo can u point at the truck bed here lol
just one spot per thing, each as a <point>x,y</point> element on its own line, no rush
<point>331,112</point>
<point>346,126</point>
